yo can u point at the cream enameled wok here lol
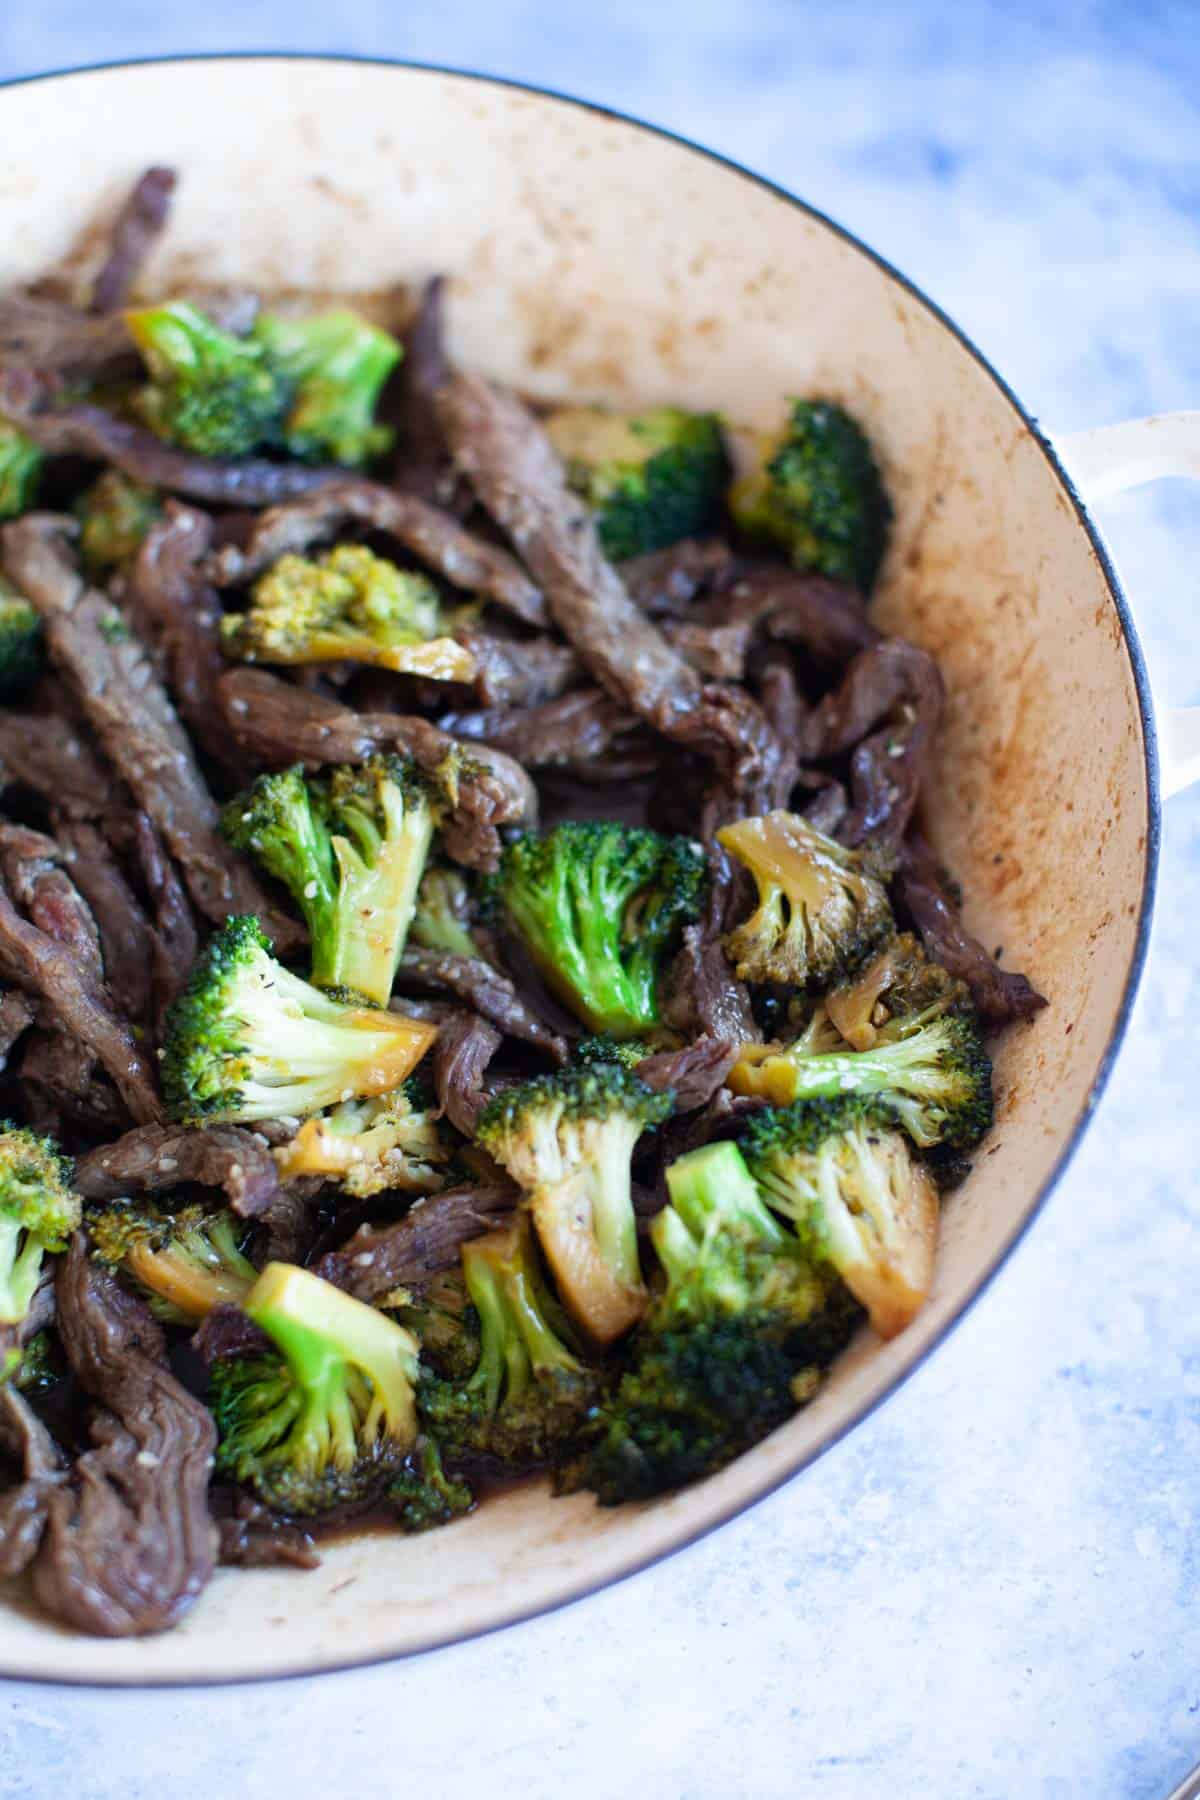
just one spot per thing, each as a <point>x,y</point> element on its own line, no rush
<point>592,256</point>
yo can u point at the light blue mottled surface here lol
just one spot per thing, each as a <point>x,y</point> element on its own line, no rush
<point>991,1589</point>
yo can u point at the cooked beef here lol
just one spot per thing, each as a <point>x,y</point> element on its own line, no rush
<point>136,229</point>
<point>511,464</point>
<point>465,1046</point>
<point>256,1539</point>
<point>31,864</point>
<point>664,583</point>
<point>693,1074</point>
<point>573,732</point>
<point>292,1222</point>
<point>28,1447</point>
<point>126,940</point>
<point>16,1016</point>
<point>422,464</point>
<point>43,967</point>
<point>128,1544</point>
<point>518,671</point>
<point>227,1332</point>
<point>44,753</point>
<point>176,940</point>
<point>278,723</point>
<point>483,987</point>
<point>1001,995</point>
<point>158,1158</point>
<point>178,614</point>
<point>111,677</point>
<point>39,335</point>
<point>433,536</point>
<point>59,1079</point>
<point>428,1238</point>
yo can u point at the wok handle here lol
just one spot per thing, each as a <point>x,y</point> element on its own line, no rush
<point>1109,460</point>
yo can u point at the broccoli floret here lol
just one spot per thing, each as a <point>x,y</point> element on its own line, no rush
<point>820,909</point>
<point>38,1213</point>
<point>523,1404</point>
<point>568,1139</point>
<point>858,1199</point>
<point>185,1261</point>
<point>22,643</point>
<point>933,1076</point>
<point>817,493</point>
<point>444,910</point>
<point>38,1367</point>
<point>594,1052</point>
<point>337,364</point>
<point>351,847</point>
<point>330,1421</point>
<point>423,1495</point>
<point>114,515</point>
<point>729,1349</point>
<point>20,471</point>
<point>650,479</point>
<point>209,391</point>
<point>599,906</point>
<point>347,605</point>
<point>246,1039</point>
<point>442,1318</point>
<point>370,1147</point>
<point>897,987</point>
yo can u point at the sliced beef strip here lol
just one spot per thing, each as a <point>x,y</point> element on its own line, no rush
<point>227,1332</point>
<point>482,987</point>
<point>31,863</point>
<point>26,1444</point>
<point>17,1014</point>
<point>136,229</point>
<point>278,723</point>
<point>516,671</point>
<point>693,1074</point>
<point>44,753</point>
<point>177,612</point>
<point>176,940</point>
<point>254,1538</point>
<point>60,1081</point>
<point>126,939</point>
<point>427,1239</point>
<point>433,536</point>
<point>43,967</point>
<point>1001,995</point>
<point>422,464</point>
<point>129,1545</point>
<point>465,1046</point>
<point>158,1158</point>
<point>574,732</point>
<point>665,583</point>
<point>703,994</point>
<point>39,334</point>
<point>512,465</point>
<point>135,722</point>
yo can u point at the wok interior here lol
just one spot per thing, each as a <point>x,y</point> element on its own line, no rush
<point>592,258</point>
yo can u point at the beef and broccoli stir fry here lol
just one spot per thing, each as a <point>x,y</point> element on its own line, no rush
<point>475,997</point>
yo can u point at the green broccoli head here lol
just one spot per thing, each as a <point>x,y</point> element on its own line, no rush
<point>818,494</point>
<point>351,847</point>
<point>859,1201</point>
<point>442,1318</point>
<point>38,1213</point>
<point>209,391</point>
<point>115,514</point>
<point>568,1140</point>
<point>523,1404</point>
<point>390,1144</point>
<point>423,1496</point>
<point>337,363</point>
<point>821,910</point>
<point>650,479</point>
<point>185,1260</point>
<point>20,471</point>
<point>898,990</point>
<point>596,1052</point>
<point>346,605</point>
<point>246,1039</point>
<point>22,643</point>
<point>445,909</point>
<point>599,907</point>
<point>330,1421</point>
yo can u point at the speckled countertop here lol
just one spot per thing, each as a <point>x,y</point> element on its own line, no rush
<point>990,1589</point>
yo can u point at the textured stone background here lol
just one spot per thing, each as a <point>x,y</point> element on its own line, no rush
<point>990,1589</point>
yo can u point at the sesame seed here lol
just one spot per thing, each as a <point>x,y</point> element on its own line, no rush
<point>310,891</point>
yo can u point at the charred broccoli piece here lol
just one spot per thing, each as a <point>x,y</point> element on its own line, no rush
<point>38,1213</point>
<point>246,1039</point>
<point>209,391</point>
<point>347,605</point>
<point>596,1052</point>
<point>522,1405</point>
<point>114,516</point>
<point>351,847</point>
<point>185,1261</point>
<point>568,1139</point>
<point>650,479</point>
<point>38,1367</point>
<point>858,1199</point>
<point>442,920</point>
<point>897,986</point>
<point>818,494</point>
<point>393,1143</point>
<point>423,1495</point>
<point>821,910</point>
<point>20,471</point>
<point>732,1345</point>
<point>328,1422</point>
<point>22,643</point>
<point>337,363</point>
<point>599,907</point>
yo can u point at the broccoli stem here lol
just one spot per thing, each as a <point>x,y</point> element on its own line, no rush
<point>20,1267</point>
